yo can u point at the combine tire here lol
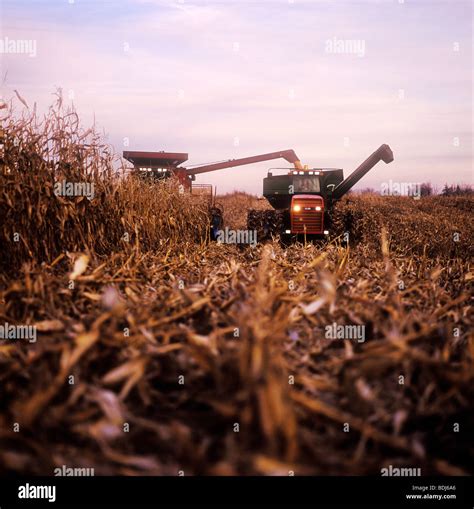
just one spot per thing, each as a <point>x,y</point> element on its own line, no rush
<point>216,222</point>
<point>342,222</point>
<point>268,223</point>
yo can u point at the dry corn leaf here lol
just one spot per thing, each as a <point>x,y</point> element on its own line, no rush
<point>80,266</point>
<point>49,326</point>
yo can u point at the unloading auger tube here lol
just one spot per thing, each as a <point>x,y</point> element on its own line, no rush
<point>383,153</point>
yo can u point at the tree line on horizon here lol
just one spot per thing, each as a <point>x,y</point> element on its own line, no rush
<point>427,189</point>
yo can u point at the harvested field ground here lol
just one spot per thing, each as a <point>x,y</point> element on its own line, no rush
<point>159,351</point>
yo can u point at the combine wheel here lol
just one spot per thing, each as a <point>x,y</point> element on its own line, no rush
<point>268,223</point>
<point>216,222</point>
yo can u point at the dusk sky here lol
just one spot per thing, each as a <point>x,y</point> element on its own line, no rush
<point>225,79</point>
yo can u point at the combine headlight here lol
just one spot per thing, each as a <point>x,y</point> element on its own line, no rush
<point>318,208</point>
<point>301,173</point>
<point>287,231</point>
<point>296,208</point>
<point>326,232</point>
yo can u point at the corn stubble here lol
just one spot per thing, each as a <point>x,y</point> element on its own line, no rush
<point>188,355</point>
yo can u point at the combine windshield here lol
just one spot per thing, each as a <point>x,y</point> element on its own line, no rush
<point>306,184</point>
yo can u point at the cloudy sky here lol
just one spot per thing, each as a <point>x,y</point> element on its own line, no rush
<point>331,79</point>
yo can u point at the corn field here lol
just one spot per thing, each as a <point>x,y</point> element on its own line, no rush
<point>159,351</point>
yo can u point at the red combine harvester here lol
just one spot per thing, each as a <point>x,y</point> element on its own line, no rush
<point>302,198</point>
